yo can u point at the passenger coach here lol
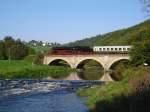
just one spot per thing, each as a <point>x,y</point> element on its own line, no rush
<point>111,48</point>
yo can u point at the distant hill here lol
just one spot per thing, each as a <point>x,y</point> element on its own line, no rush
<point>119,37</point>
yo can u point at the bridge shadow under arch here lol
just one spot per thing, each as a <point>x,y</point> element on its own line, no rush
<point>90,69</point>
<point>117,69</point>
<point>59,62</point>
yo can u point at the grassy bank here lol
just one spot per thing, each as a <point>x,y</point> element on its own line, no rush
<point>127,95</point>
<point>23,69</point>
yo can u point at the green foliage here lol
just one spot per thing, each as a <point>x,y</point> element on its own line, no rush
<point>129,95</point>
<point>18,51</point>
<point>140,53</point>
<point>12,49</point>
<point>39,59</point>
<point>91,63</point>
<point>31,51</point>
<point>2,50</point>
<point>9,41</point>
<point>118,68</point>
<point>30,58</point>
<point>106,92</point>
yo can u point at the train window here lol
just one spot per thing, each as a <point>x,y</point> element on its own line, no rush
<point>128,49</point>
<point>107,49</point>
<point>112,49</point>
<point>124,49</point>
<point>100,49</point>
<point>120,49</point>
<point>103,49</point>
<point>116,49</point>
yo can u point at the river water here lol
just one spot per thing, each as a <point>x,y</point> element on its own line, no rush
<point>43,96</point>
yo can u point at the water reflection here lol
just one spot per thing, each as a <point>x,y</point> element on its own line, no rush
<point>93,73</point>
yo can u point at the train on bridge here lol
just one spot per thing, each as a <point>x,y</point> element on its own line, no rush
<point>85,50</point>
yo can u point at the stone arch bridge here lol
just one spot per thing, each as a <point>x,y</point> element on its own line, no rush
<point>106,60</point>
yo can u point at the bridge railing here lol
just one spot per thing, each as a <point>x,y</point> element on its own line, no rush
<point>93,53</point>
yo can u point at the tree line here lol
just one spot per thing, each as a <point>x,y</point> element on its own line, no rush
<point>140,53</point>
<point>13,49</point>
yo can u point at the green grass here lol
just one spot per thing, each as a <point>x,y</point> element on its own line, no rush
<point>13,64</point>
<point>30,59</point>
<point>106,92</point>
<point>16,69</point>
<point>98,96</point>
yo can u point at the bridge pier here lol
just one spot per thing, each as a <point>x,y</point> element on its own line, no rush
<point>73,76</point>
<point>106,77</point>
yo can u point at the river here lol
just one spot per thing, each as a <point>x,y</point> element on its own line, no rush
<point>43,95</point>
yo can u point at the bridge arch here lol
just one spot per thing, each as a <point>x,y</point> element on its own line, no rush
<point>80,62</point>
<point>90,69</point>
<point>55,61</point>
<point>116,60</point>
<point>117,69</point>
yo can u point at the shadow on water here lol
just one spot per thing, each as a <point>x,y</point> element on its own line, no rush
<point>90,70</point>
<point>94,73</point>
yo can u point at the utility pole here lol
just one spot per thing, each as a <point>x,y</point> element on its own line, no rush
<point>9,57</point>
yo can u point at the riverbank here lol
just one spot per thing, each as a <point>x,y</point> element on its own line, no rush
<point>21,69</point>
<point>129,95</point>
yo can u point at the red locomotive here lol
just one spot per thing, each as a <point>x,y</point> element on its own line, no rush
<point>77,50</point>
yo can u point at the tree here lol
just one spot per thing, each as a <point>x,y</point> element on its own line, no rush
<point>140,53</point>
<point>33,42</point>
<point>2,51</point>
<point>13,49</point>
<point>8,41</point>
<point>18,51</point>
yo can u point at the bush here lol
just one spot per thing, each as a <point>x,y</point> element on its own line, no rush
<point>118,69</point>
<point>141,97</point>
<point>39,59</point>
<point>132,94</point>
<point>31,51</point>
<point>29,58</point>
<point>137,101</point>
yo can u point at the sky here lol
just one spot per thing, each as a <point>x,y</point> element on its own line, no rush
<point>66,20</point>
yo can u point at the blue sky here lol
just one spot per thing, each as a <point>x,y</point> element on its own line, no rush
<point>66,20</point>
